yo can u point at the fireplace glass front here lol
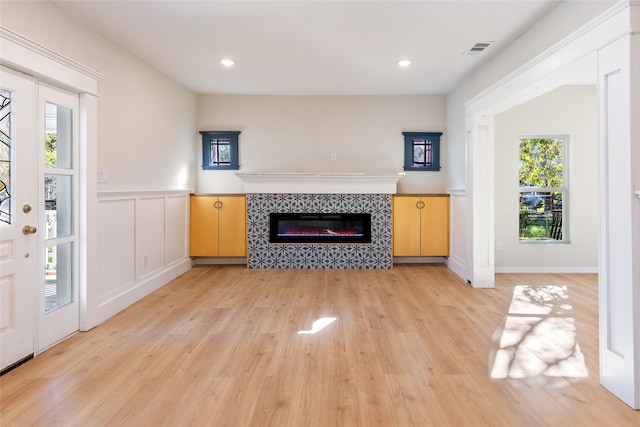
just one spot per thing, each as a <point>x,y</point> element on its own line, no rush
<point>319,228</point>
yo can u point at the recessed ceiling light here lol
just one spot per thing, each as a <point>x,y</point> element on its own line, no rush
<point>404,63</point>
<point>227,62</point>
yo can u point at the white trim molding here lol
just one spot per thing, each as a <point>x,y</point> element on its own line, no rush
<point>23,54</point>
<point>458,260</point>
<point>548,270</point>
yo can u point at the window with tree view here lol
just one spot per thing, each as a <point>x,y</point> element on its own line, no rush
<point>543,189</point>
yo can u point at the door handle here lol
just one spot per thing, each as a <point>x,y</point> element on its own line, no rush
<point>29,229</point>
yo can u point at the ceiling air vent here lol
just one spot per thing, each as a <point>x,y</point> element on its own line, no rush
<point>478,48</point>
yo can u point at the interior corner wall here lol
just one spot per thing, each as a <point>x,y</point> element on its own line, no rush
<point>145,130</point>
<point>146,120</point>
<point>569,110</point>
<point>564,19</point>
<point>299,134</point>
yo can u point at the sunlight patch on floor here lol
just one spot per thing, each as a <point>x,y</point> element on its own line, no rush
<point>318,325</point>
<point>539,336</point>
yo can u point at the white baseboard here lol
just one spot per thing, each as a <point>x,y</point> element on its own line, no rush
<point>548,270</point>
<point>141,289</point>
<point>459,267</point>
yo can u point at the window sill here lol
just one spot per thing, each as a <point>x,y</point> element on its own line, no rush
<point>425,169</point>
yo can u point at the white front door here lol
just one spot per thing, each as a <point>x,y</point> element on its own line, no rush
<point>19,216</point>
<point>39,303</point>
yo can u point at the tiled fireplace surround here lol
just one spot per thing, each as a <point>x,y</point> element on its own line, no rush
<point>307,193</point>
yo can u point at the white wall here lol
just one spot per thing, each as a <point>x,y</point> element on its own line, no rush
<point>570,110</point>
<point>146,125</point>
<point>146,120</point>
<point>299,133</point>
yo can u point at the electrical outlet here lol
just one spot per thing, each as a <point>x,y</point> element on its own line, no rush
<point>334,156</point>
<point>499,246</point>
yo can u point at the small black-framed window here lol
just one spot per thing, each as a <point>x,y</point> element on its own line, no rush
<point>422,151</point>
<point>220,150</point>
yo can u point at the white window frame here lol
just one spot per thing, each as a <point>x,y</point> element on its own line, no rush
<point>565,190</point>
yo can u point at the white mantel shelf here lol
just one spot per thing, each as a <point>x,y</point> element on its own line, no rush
<point>320,183</point>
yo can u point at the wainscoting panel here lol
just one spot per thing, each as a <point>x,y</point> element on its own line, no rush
<point>116,247</point>
<point>459,256</point>
<point>265,255</point>
<point>149,226</point>
<point>142,245</point>
<point>176,229</point>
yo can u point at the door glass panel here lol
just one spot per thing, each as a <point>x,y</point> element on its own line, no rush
<point>58,137</point>
<point>58,202</point>
<point>58,281</point>
<point>5,156</point>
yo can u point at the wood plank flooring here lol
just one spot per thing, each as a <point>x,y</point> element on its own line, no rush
<point>412,346</point>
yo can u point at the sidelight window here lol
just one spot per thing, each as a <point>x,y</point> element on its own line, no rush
<point>5,156</point>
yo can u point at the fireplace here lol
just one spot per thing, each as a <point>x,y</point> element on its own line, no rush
<point>320,228</point>
<point>261,253</point>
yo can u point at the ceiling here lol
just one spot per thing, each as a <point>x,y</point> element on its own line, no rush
<point>308,47</point>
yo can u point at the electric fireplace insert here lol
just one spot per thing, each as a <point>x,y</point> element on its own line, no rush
<point>319,228</point>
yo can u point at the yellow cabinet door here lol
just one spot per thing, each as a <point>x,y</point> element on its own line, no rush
<point>406,226</point>
<point>232,223</point>
<point>435,226</point>
<point>203,228</point>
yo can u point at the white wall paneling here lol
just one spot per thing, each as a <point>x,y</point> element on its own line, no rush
<point>458,260</point>
<point>481,200</point>
<point>142,244</point>
<point>116,247</point>
<point>619,106</point>
<point>149,235</point>
<point>176,229</point>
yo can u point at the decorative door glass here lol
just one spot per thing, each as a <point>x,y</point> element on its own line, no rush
<point>5,156</point>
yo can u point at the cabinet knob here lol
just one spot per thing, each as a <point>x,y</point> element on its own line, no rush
<point>420,205</point>
<point>217,204</point>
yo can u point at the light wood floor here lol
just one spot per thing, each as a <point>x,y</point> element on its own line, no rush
<point>412,346</point>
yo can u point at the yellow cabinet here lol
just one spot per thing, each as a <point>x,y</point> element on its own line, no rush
<point>420,225</point>
<point>218,225</point>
